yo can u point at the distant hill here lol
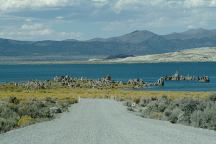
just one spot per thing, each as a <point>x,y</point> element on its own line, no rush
<point>118,56</point>
<point>135,43</point>
<point>135,37</point>
<point>192,34</point>
<point>190,55</point>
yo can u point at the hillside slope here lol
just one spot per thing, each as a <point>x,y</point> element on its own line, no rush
<point>206,54</point>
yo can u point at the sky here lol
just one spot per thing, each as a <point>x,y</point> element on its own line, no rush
<point>86,19</point>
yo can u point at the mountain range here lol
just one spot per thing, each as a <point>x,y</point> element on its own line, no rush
<point>135,43</point>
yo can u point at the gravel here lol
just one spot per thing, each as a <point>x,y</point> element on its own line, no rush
<point>106,122</point>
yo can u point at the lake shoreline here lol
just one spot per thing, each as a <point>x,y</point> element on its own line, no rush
<point>119,72</point>
<point>92,63</point>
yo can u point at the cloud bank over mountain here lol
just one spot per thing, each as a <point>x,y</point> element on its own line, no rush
<point>85,19</point>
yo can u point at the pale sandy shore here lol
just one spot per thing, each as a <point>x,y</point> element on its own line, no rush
<point>190,55</point>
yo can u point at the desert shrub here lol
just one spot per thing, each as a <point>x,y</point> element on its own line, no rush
<point>50,100</point>
<point>144,101</point>
<point>7,124</point>
<point>167,114</point>
<point>15,113</point>
<point>25,120</point>
<point>136,100</point>
<point>144,112</point>
<point>206,118</point>
<point>130,109</point>
<point>212,97</point>
<point>8,118</point>
<point>187,111</point>
<point>155,105</point>
<point>174,115</point>
<point>131,105</point>
<point>44,109</point>
<point>202,105</point>
<point>163,102</point>
<point>13,100</point>
<point>71,100</point>
<point>211,114</point>
<point>156,115</point>
<point>119,98</point>
<point>63,105</point>
<point>153,110</point>
<point>180,110</point>
<point>127,103</point>
<point>184,118</point>
<point>199,119</point>
<point>7,112</point>
<point>151,107</point>
<point>35,109</point>
<point>187,106</point>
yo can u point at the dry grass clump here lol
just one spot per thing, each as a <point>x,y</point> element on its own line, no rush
<point>25,120</point>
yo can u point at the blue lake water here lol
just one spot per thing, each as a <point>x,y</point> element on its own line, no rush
<point>147,72</point>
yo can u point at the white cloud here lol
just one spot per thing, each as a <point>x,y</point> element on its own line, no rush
<point>193,3</point>
<point>113,16</point>
<point>117,6</point>
<point>11,5</point>
<point>142,4</point>
<point>127,4</point>
<point>32,31</point>
<point>59,17</point>
<point>138,4</point>
<point>100,3</point>
<point>163,22</point>
<point>16,5</point>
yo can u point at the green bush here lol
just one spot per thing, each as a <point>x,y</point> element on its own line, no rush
<point>13,100</point>
<point>14,113</point>
<point>35,109</point>
<point>174,115</point>
<point>206,118</point>
<point>154,106</point>
<point>212,97</point>
<point>127,103</point>
<point>187,111</point>
<point>7,112</point>
<point>8,117</point>
<point>7,124</point>
<point>144,101</point>
<point>163,102</point>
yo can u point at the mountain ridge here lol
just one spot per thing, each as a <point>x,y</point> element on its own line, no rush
<point>140,42</point>
<point>189,31</point>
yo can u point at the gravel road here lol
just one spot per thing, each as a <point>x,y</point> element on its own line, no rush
<point>106,122</point>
